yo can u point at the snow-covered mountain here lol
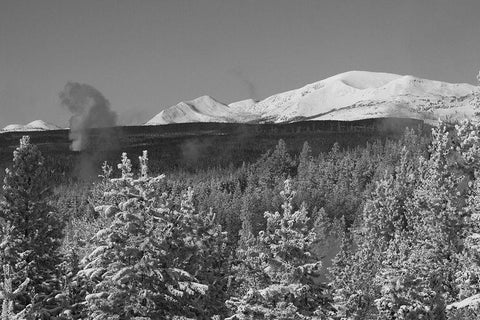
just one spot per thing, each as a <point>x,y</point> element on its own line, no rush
<point>37,125</point>
<point>352,95</point>
<point>203,109</point>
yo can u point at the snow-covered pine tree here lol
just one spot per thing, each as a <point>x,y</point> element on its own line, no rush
<point>130,269</point>
<point>304,164</point>
<point>8,294</point>
<point>274,166</point>
<point>345,278</point>
<point>408,290</point>
<point>282,270</point>
<point>153,261</point>
<point>30,229</point>
<point>199,245</point>
<point>384,216</point>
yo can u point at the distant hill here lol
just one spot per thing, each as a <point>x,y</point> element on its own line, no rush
<point>37,125</point>
<point>353,95</point>
<point>196,146</point>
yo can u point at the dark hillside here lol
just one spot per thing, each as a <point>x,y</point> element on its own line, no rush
<point>203,145</point>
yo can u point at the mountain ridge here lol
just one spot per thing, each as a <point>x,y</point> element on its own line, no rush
<point>352,95</point>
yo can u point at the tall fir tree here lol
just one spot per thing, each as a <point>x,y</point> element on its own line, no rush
<point>280,270</point>
<point>31,231</point>
<point>153,261</point>
<point>384,216</point>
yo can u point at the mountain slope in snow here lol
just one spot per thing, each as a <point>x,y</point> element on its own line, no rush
<point>352,95</point>
<point>359,95</point>
<point>37,125</point>
<point>202,109</point>
<point>242,105</point>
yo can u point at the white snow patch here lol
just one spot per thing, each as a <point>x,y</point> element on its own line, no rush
<point>470,302</point>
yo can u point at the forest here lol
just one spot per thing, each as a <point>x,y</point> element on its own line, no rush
<point>387,229</point>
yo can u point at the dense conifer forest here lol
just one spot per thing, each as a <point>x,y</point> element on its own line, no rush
<point>385,230</point>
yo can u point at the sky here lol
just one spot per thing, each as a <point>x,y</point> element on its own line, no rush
<point>146,55</point>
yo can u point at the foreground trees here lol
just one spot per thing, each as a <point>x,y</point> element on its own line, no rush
<point>153,261</point>
<point>30,229</point>
<point>405,220</point>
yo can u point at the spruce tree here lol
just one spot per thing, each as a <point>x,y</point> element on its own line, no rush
<point>30,229</point>
<point>304,164</point>
<point>274,166</point>
<point>280,270</point>
<point>384,216</point>
<point>153,261</point>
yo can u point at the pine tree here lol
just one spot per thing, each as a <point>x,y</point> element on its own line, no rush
<point>384,217</point>
<point>8,295</point>
<point>408,288</point>
<point>154,261</point>
<point>345,280</point>
<point>31,231</point>
<point>280,270</point>
<point>199,244</point>
<point>304,164</point>
<point>274,166</point>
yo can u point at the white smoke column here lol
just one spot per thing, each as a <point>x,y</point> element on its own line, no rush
<point>89,108</point>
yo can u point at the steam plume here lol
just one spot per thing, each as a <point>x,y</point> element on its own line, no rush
<point>89,108</point>
<point>252,91</point>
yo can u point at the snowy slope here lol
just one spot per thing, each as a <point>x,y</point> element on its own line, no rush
<point>37,125</point>
<point>352,95</point>
<point>358,95</point>
<point>202,109</point>
<point>242,105</point>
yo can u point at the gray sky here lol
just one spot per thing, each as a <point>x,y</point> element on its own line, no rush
<point>147,55</point>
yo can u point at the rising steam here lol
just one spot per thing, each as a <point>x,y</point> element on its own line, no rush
<point>89,108</point>
<point>252,90</point>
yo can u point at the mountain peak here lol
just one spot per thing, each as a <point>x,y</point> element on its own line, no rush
<point>363,79</point>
